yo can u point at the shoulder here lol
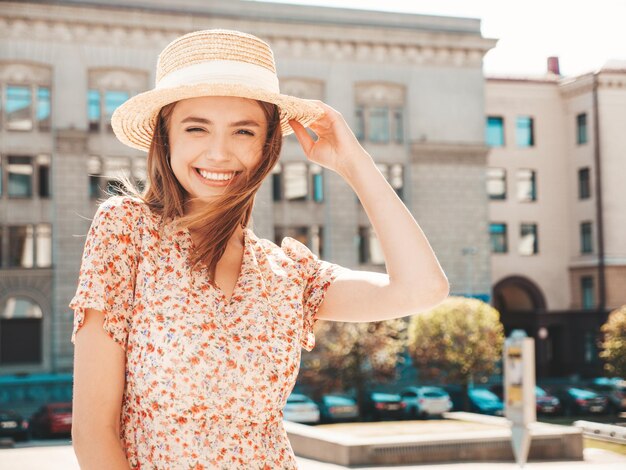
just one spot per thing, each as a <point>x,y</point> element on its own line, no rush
<point>123,209</point>
<point>289,252</point>
<point>120,214</point>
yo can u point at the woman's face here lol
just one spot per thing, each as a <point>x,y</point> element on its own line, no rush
<point>213,137</point>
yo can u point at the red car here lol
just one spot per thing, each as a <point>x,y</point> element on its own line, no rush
<point>52,419</point>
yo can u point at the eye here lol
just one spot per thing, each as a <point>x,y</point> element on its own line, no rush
<point>194,129</point>
<point>244,130</point>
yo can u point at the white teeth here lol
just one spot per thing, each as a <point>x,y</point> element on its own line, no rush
<point>216,176</point>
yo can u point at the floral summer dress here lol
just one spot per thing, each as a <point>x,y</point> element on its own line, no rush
<point>206,377</point>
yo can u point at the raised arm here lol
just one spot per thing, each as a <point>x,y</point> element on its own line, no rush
<point>414,281</point>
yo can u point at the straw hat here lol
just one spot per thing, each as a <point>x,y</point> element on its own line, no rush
<point>214,62</point>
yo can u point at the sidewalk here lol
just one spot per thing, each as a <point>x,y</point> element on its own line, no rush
<point>61,457</point>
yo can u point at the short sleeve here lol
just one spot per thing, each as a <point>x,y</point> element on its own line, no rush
<point>317,276</point>
<point>108,269</point>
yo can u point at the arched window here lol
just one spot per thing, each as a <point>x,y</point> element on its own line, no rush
<point>108,89</point>
<point>379,112</point>
<point>25,90</point>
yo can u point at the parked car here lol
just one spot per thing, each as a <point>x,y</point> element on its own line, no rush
<point>52,419</point>
<point>546,403</point>
<point>614,389</point>
<point>485,402</point>
<point>425,402</point>
<point>379,406</point>
<point>301,409</point>
<point>14,426</point>
<point>338,408</point>
<point>577,401</point>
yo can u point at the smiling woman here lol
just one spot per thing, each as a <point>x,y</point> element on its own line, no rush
<point>211,319</point>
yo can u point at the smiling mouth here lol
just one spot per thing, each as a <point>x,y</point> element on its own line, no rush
<point>217,176</point>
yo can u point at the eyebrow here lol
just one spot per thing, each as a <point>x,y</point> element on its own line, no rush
<point>246,122</point>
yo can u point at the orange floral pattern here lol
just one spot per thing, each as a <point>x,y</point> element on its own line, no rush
<point>206,377</point>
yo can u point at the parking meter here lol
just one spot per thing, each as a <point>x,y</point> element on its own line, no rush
<point>519,391</point>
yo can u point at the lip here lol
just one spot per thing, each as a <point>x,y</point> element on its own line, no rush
<point>217,183</point>
<point>216,170</point>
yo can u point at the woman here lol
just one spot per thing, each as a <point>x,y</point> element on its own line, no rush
<point>208,320</point>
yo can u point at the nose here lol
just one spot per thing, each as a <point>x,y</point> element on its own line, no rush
<point>216,149</point>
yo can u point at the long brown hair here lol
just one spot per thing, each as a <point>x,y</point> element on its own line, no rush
<point>216,223</point>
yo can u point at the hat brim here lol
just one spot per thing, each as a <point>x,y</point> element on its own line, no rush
<point>133,122</point>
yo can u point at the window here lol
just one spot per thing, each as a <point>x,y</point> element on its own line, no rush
<point>25,96</point>
<point>370,250</point>
<point>43,108</point>
<point>20,184</point>
<point>581,128</point>
<point>311,236</point>
<point>114,167</point>
<point>586,240</point>
<point>398,125</point>
<point>524,131</point>
<point>277,191</point>
<point>297,181</point>
<point>526,185</point>
<point>20,331</point>
<point>359,125</point>
<point>19,108</point>
<point>43,175</point>
<point>496,183</point>
<point>495,131</point>
<point>586,287</point>
<point>30,246</point>
<point>584,184</point>
<point>379,112</point>
<point>27,174</point>
<point>113,99</point>
<point>379,125</point>
<point>107,89</point>
<point>317,183</point>
<point>94,170</point>
<point>93,110</point>
<point>528,240</point>
<point>498,237</point>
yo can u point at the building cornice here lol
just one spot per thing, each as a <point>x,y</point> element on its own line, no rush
<point>449,153</point>
<point>315,40</point>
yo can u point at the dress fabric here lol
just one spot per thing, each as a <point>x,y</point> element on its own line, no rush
<point>206,377</point>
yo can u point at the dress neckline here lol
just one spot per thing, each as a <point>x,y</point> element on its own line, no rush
<point>204,269</point>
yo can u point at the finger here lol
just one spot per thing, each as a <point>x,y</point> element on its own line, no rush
<point>303,136</point>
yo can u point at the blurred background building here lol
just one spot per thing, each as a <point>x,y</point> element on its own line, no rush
<point>557,209</point>
<point>501,173</point>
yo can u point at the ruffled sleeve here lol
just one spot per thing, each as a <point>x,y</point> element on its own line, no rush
<point>109,265</point>
<point>316,275</point>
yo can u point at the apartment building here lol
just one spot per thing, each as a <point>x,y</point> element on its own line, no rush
<point>410,86</point>
<point>557,209</point>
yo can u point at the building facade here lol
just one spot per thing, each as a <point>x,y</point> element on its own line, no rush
<point>557,209</point>
<point>410,86</point>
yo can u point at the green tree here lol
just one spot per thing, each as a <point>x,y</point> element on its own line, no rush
<point>614,343</point>
<point>349,356</point>
<point>457,342</point>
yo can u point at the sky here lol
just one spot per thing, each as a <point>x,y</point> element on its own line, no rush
<point>584,34</point>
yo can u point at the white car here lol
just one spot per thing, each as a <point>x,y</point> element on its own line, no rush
<point>424,402</point>
<point>301,409</point>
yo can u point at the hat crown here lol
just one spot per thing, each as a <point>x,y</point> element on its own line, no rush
<point>214,45</point>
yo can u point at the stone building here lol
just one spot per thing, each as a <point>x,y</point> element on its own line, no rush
<point>557,209</point>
